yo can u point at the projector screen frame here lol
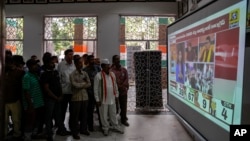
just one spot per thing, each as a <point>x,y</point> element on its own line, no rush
<point>181,108</point>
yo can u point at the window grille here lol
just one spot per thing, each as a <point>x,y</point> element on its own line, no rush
<point>76,32</point>
<point>14,35</point>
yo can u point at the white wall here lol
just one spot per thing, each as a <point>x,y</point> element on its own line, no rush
<point>108,21</point>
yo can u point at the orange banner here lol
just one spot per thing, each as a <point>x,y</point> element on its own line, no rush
<point>122,48</point>
<point>162,48</point>
<point>80,48</point>
<point>11,48</point>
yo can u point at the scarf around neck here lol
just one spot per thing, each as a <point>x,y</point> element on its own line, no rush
<point>104,84</point>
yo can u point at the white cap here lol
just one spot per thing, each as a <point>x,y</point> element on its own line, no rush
<point>105,61</point>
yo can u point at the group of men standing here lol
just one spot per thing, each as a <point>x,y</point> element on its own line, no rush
<point>103,87</point>
<point>79,87</point>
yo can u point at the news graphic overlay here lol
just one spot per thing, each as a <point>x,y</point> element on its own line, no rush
<point>205,65</point>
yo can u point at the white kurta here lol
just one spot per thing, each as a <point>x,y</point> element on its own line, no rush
<point>110,98</point>
<point>108,106</point>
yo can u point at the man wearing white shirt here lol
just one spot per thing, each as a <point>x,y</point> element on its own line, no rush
<point>65,68</point>
<point>106,94</point>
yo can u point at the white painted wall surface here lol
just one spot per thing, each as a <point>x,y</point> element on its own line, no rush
<point>108,21</point>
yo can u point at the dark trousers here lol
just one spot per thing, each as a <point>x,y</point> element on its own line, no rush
<point>53,110</point>
<point>91,107</point>
<point>22,119</point>
<point>35,119</point>
<point>78,109</point>
<point>123,105</point>
<point>64,105</point>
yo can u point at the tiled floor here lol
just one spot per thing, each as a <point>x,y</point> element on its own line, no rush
<point>142,128</point>
<point>161,126</point>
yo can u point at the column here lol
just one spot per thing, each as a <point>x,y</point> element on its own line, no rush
<point>79,46</point>
<point>163,48</point>
<point>2,35</point>
<point>122,43</point>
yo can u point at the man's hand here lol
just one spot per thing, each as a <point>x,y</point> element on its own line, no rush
<point>30,108</point>
<point>59,98</point>
<point>98,103</point>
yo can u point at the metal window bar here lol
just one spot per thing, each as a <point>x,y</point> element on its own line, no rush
<point>14,34</point>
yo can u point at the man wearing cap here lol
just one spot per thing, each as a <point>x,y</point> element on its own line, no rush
<point>106,94</point>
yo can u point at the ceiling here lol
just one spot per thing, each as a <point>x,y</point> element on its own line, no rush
<point>77,1</point>
<point>128,0</point>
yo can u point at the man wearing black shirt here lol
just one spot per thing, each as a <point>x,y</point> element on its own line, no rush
<point>53,95</point>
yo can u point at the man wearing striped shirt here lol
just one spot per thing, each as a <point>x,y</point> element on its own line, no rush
<point>33,99</point>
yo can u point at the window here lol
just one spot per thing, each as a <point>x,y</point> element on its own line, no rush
<point>14,35</point>
<point>139,33</point>
<point>78,33</point>
<point>146,31</point>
